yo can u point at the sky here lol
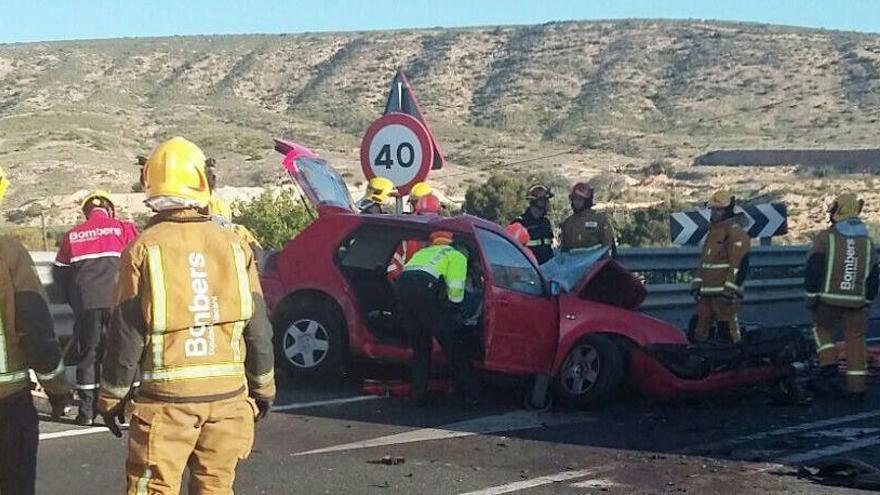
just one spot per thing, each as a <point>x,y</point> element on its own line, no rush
<point>49,20</point>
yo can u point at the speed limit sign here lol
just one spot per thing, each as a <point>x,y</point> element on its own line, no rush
<point>398,147</point>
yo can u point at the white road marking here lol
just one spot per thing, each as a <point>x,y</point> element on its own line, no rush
<point>844,433</point>
<point>512,421</point>
<point>73,433</point>
<point>782,431</point>
<point>600,483</point>
<point>543,480</point>
<point>331,402</point>
<point>829,451</point>
<point>283,407</point>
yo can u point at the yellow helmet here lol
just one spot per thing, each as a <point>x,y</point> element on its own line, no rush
<point>97,199</point>
<point>379,189</point>
<point>721,199</point>
<point>4,184</point>
<point>176,169</point>
<point>420,190</point>
<point>220,208</point>
<point>845,206</point>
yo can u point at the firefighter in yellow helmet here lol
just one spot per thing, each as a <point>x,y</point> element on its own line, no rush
<point>27,341</point>
<point>429,295</point>
<point>221,213</point>
<point>724,264</point>
<point>418,191</point>
<point>841,280</point>
<point>189,312</point>
<point>379,191</point>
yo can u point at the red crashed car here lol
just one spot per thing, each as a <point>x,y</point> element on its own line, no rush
<point>330,300</point>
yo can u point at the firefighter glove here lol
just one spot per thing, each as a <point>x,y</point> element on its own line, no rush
<point>114,419</point>
<point>59,403</point>
<point>263,407</point>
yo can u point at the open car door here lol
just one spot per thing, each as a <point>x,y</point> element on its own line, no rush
<point>318,181</point>
<point>521,323</point>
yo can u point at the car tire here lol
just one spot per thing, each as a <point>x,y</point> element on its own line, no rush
<point>592,372</point>
<point>310,342</point>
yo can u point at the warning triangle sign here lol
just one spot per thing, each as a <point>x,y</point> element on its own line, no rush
<point>402,99</point>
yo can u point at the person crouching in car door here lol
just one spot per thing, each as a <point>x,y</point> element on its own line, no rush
<point>429,295</point>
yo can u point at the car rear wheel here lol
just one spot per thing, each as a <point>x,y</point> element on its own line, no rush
<point>310,342</point>
<point>592,372</point>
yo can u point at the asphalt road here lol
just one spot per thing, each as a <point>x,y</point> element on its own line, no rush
<point>332,439</point>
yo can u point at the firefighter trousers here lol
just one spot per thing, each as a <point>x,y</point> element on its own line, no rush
<point>722,312</point>
<point>853,322</point>
<point>88,334</point>
<point>426,317</point>
<point>19,433</point>
<point>207,437</point>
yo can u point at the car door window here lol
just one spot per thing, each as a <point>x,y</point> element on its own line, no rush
<point>510,268</point>
<point>324,183</point>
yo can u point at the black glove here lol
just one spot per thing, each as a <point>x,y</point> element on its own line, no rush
<point>264,406</point>
<point>59,403</point>
<point>695,293</point>
<point>114,418</point>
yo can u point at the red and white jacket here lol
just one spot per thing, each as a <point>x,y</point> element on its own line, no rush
<point>87,263</point>
<point>404,252</point>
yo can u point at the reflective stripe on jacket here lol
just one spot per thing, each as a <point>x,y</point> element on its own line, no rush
<point>444,263</point>
<point>724,260</point>
<point>27,335</point>
<point>190,313</point>
<point>540,234</point>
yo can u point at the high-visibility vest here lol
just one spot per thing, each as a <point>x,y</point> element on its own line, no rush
<point>444,263</point>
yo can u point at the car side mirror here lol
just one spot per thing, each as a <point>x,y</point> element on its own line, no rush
<point>554,288</point>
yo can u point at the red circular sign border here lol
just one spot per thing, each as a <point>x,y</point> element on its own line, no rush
<point>417,128</point>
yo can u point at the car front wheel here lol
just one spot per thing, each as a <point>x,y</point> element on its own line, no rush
<point>592,373</point>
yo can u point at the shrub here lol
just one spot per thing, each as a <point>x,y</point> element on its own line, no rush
<point>274,219</point>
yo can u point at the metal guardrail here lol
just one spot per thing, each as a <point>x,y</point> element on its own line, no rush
<point>768,301</point>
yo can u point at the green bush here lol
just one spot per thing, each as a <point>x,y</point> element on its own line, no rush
<point>273,220</point>
<point>503,197</point>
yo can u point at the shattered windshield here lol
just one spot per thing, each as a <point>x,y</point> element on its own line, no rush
<point>322,183</point>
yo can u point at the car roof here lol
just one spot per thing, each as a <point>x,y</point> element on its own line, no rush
<point>460,223</point>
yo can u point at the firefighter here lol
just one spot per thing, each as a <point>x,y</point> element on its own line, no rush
<point>375,200</point>
<point>841,280</point>
<point>535,220</point>
<point>429,295</point>
<point>426,205</point>
<point>27,340</point>
<point>85,269</point>
<point>189,312</point>
<point>724,265</point>
<point>586,228</point>
<point>419,191</point>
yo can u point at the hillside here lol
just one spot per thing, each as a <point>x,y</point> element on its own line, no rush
<point>618,95</point>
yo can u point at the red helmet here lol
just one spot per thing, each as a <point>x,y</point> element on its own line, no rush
<point>427,205</point>
<point>519,233</point>
<point>581,190</point>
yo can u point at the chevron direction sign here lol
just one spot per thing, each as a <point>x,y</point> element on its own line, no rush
<point>763,221</point>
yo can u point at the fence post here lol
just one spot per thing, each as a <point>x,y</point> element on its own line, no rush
<point>43,231</point>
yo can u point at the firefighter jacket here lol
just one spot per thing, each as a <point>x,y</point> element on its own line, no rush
<point>841,270</point>
<point>88,260</point>
<point>587,229</point>
<point>540,235</point>
<point>443,263</point>
<point>724,262</point>
<point>190,313</point>
<point>27,335</point>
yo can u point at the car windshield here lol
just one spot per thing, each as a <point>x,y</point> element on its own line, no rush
<point>510,268</point>
<point>324,185</point>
